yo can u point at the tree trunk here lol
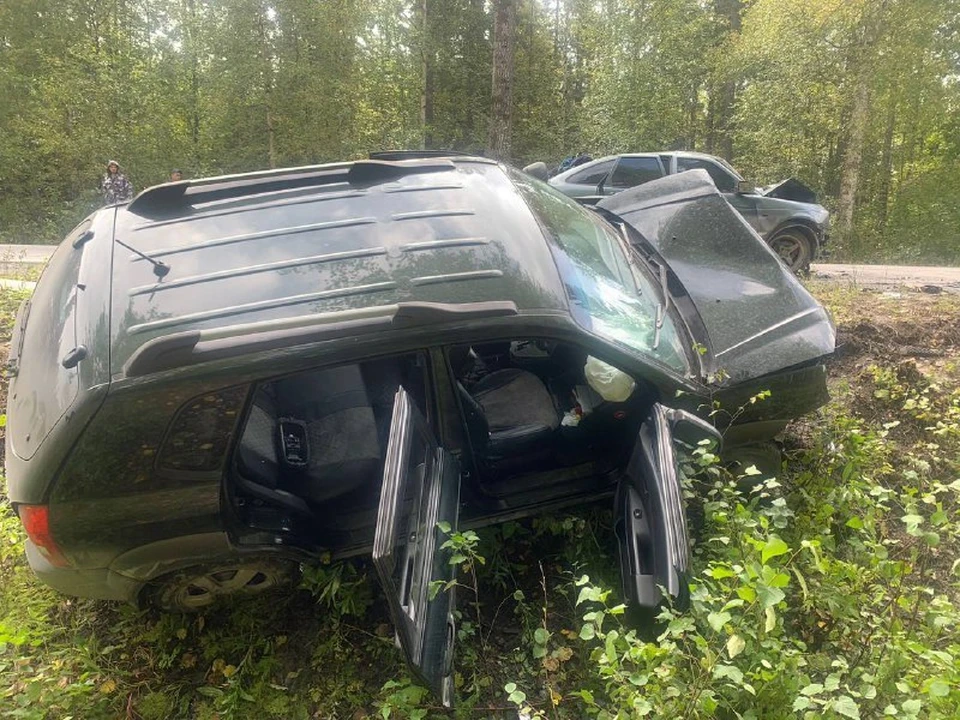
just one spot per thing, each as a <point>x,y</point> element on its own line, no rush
<point>883,196</point>
<point>266,58</point>
<point>271,149</point>
<point>189,36</point>
<point>852,159</point>
<point>428,62</point>
<point>501,116</point>
<point>723,106</point>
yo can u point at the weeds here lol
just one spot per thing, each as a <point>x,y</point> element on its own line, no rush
<point>830,591</point>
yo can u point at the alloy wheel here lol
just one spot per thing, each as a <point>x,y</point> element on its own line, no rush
<point>200,588</point>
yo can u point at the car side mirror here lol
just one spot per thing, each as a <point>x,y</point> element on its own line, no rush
<point>745,187</point>
<point>690,429</point>
<point>537,170</point>
<point>689,433</point>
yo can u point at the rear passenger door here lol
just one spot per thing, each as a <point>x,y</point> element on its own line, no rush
<point>633,170</point>
<point>420,494</point>
<point>650,514</point>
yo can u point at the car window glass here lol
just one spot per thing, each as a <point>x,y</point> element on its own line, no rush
<point>609,295</point>
<point>593,174</point>
<point>665,159</point>
<point>200,434</point>
<point>633,171</point>
<point>49,335</point>
<point>721,178</point>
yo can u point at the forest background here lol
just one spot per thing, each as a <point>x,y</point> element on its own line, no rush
<point>858,98</point>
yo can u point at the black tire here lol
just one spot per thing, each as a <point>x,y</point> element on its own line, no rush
<point>198,588</point>
<point>795,248</point>
<point>765,456</point>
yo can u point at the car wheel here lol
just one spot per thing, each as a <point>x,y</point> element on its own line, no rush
<point>795,248</point>
<point>764,456</point>
<point>201,587</point>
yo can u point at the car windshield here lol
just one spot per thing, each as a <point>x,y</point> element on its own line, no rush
<point>609,294</point>
<point>729,167</point>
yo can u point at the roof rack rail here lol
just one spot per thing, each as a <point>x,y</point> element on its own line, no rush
<point>174,198</point>
<point>191,347</point>
<point>394,155</point>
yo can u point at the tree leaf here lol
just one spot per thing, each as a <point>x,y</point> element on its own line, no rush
<point>718,620</point>
<point>847,706</point>
<point>769,596</point>
<point>774,548</point>
<point>735,645</point>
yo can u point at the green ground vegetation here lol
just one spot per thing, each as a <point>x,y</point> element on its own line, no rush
<point>828,591</point>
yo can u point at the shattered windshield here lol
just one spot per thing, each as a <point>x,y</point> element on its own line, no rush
<point>609,294</point>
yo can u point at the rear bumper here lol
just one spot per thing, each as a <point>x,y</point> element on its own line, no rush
<point>98,583</point>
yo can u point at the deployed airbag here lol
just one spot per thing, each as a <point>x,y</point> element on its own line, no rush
<point>609,383</point>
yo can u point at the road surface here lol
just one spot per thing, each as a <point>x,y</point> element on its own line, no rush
<point>885,277</point>
<point>14,258</point>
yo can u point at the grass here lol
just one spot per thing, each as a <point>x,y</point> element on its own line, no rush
<point>828,592</point>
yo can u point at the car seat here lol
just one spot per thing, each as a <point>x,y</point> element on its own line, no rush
<point>342,451</point>
<point>510,414</point>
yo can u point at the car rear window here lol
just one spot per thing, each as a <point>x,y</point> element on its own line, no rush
<point>44,389</point>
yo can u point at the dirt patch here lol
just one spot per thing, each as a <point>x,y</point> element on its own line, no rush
<point>893,326</point>
<point>935,336</point>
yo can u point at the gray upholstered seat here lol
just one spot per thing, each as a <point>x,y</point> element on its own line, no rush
<point>344,451</point>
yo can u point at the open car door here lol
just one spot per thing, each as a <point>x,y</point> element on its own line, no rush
<point>650,517</point>
<point>421,486</point>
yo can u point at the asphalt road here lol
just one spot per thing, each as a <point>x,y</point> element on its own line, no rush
<point>884,277</point>
<point>881,277</point>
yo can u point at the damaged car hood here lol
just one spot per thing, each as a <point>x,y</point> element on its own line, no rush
<point>790,189</point>
<point>757,318</point>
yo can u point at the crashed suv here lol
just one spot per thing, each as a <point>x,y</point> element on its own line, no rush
<point>786,214</point>
<point>229,377</point>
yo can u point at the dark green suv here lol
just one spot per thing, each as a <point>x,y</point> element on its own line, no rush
<point>228,377</point>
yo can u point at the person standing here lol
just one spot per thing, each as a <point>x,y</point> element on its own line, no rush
<point>176,175</point>
<point>115,187</point>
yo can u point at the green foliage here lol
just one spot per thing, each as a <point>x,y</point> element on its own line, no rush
<point>220,87</point>
<point>341,588</point>
<point>827,592</point>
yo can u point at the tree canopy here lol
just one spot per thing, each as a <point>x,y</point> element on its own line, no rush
<point>858,98</point>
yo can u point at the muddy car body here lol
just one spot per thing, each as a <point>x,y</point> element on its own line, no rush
<point>785,214</point>
<point>231,376</point>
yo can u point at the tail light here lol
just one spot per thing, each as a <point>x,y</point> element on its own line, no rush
<point>36,521</point>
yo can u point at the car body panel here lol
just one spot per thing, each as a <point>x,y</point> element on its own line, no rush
<point>97,583</point>
<point>461,233</point>
<point>760,319</point>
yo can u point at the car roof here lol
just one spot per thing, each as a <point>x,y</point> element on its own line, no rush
<point>272,248</point>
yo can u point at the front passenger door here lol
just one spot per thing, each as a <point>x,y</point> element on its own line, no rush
<point>632,170</point>
<point>421,487</point>
<point>650,517</point>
